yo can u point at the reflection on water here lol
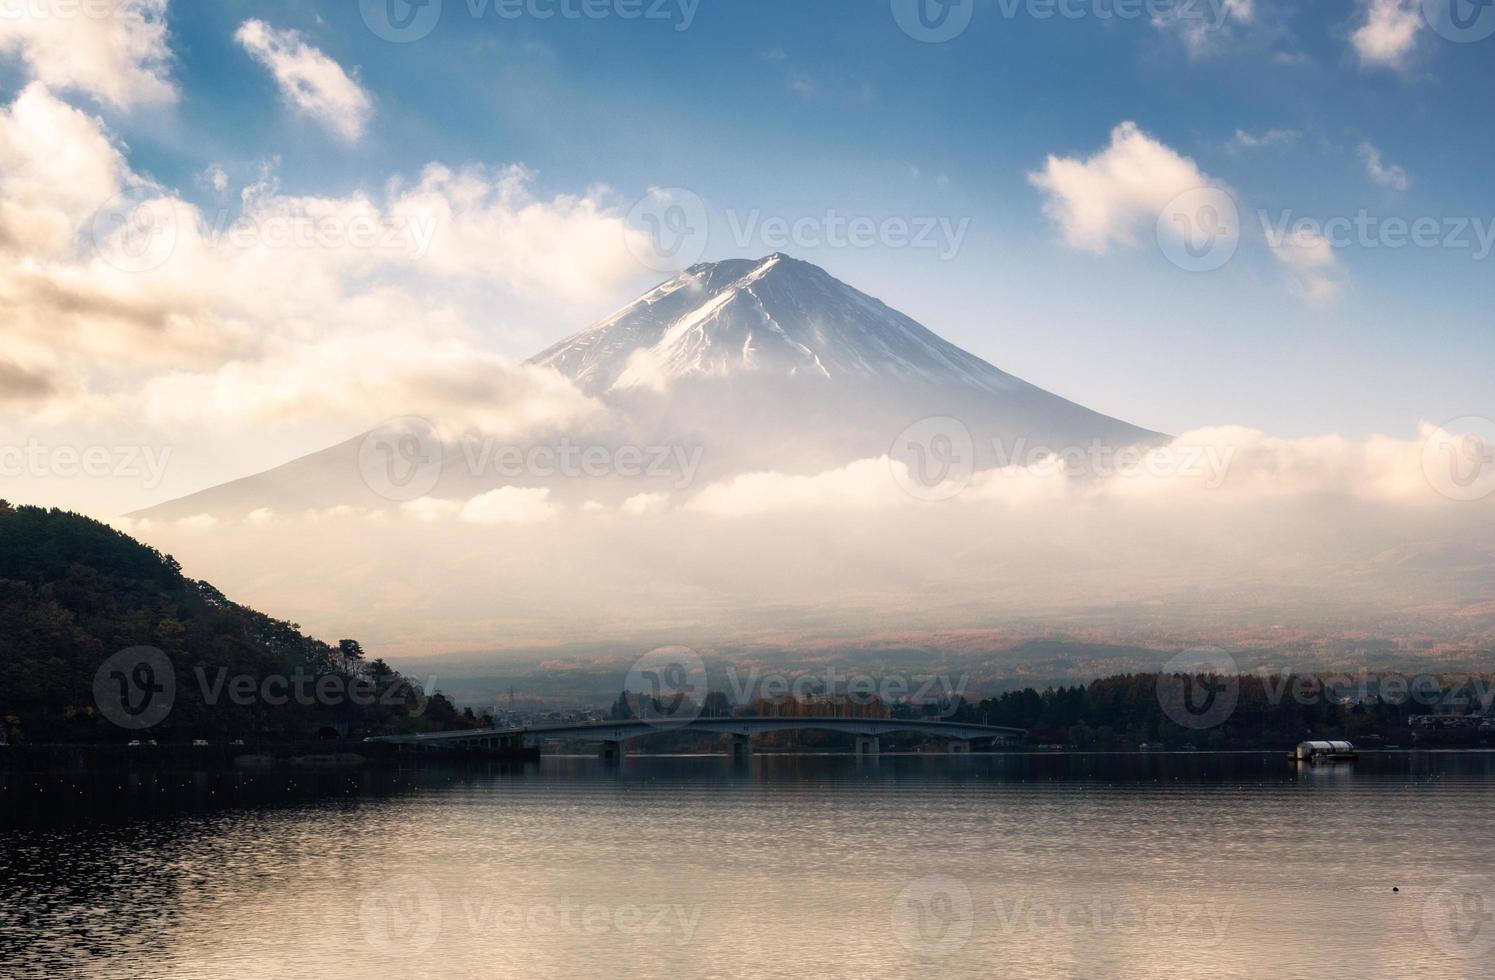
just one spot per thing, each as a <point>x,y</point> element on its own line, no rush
<point>1020,865</point>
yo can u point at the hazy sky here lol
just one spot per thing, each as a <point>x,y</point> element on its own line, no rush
<point>546,131</point>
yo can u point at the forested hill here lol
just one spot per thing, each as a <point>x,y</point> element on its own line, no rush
<point>74,592</point>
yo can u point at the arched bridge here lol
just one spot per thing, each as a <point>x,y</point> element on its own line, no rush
<point>612,734</point>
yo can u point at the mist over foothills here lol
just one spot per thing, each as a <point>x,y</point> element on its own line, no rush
<point>774,464</point>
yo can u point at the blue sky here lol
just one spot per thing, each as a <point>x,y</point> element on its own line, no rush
<point>793,109</point>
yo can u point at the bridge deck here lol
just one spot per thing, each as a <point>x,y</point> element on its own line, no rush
<point>619,731</point>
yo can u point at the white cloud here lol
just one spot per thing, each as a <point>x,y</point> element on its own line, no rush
<point>214,177</point>
<point>310,82</point>
<point>1243,140</point>
<point>1205,28</point>
<point>354,375</point>
<point>1389,32</point>
<point>645,504</point>
<point>431,509</point>
<point>1265,467</point>
<point>1314,270</point>
<point>510,505</point>
<point>1105,199</point>
<point>490,223</point>
<point>117,53</point>
<point>861,485</point>
<point>1386,175</point>
<point>58,166</point>
<point>1234,465</point>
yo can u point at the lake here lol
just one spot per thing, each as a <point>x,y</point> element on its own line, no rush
<point>1015,865</point>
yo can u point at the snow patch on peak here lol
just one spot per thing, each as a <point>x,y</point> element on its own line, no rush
<point>776,316</point>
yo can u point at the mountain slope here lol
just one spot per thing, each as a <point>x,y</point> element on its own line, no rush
<point>756,365</point>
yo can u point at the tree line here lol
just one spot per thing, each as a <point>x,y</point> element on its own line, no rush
<point>74,591</point>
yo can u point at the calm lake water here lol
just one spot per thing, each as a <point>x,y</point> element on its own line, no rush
<point>983,866</point>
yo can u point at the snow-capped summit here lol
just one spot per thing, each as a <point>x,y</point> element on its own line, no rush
<point>760,365</point>
<point>776,316</point>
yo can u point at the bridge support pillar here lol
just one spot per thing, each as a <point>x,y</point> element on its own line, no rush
<point>611,751</point>
<point>742,748</point>
<point>959,746</point>
<point>868,745</point>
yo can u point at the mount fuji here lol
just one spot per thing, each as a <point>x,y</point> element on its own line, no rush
<point>777,317</point>
<point>770,364</point>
